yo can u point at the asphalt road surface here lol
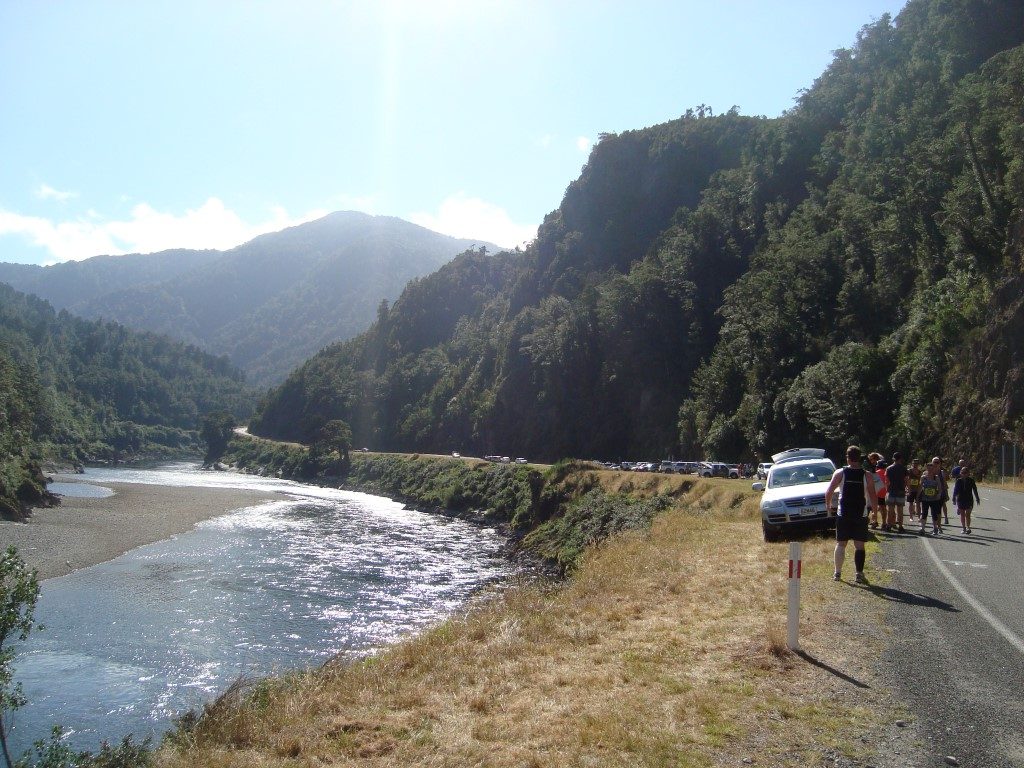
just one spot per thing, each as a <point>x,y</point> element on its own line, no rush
<point>957,624</point>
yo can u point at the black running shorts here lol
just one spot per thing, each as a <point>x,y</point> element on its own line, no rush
<point>851,528</point>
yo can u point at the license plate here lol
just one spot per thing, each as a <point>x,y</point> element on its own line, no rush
<point>807,512</point>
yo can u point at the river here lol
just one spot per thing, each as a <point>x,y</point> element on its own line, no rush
<point>130,643</point>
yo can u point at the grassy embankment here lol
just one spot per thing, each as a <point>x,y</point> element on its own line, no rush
<point>665,647</point>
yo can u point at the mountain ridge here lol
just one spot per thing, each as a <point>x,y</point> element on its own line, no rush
<point>346,263</point>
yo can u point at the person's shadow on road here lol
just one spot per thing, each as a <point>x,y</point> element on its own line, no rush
<point>909,598</point>
<point>980,538</point>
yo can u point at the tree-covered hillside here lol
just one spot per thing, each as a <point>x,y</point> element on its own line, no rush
<point>80,390</point>
<point>862,317</point>
<point>730,286</point>
<point>75,283</point>
<point>268,304</point>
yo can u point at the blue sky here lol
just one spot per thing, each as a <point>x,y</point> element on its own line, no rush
<point>137,126</point>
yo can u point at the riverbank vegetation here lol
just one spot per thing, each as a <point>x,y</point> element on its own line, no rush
<point>76,391</point>
<point>666,647</point>
<point>553,514</point>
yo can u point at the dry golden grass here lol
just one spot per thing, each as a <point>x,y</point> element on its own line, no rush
<point>667,648</point>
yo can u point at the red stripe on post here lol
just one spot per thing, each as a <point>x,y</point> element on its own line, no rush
<point>799,567</point>
<point>791,569</point>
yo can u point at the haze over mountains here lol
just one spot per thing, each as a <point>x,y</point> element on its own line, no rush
<point>268,304</point>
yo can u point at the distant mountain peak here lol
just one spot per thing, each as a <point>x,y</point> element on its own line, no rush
<point>269,303</point>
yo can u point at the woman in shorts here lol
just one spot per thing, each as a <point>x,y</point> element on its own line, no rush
<point>931,496</point>
<point>965,493</point>
<point>944,477</point>
<point>914,489</point>
<point>876,468</point>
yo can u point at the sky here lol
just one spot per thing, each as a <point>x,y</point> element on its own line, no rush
<point>134,127</point>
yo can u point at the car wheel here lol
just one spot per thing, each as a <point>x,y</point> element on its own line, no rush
<point>771,533</point>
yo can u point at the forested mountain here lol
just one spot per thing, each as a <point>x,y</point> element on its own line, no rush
<point>730,286</point>
<point>75,283</point>
<point>83,390</point>
<point>268,304</point>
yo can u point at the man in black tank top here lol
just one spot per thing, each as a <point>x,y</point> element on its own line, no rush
<point>856,495</point>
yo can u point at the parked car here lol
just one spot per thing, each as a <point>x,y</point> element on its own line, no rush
<point>734,471</point>
<point>520,460</point>
<point>713,469</point>
<point>794,492</point>
<point>667,466</point>
<point>762,469</point>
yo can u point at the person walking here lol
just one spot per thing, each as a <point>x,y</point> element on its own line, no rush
<point>914,489</point>
<point>876,468</point>
<point>945,491</point>
<point>896,477</point>
<point>965,494</point>
<point>931,496</point>
<point>856,496</point>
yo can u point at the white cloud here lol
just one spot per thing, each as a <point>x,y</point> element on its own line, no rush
<point>212,225</point>
<point>469,217</point>
<point>583,144</point>
<point>46,192</point>
<point>64,240</point>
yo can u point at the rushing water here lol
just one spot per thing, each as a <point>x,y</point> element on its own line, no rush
<point>291,583</point>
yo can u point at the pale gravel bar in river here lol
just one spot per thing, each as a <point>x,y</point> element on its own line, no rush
<point>86,531</point>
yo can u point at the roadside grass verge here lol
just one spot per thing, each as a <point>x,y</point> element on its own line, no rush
<point>665,648</point>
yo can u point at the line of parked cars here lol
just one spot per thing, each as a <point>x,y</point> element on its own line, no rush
<point>504,460</point>
<point>701,468</point>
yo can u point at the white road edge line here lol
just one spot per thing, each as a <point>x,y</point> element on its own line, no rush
<point>995,623</point>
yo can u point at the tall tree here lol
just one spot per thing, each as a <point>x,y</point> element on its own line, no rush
<point>216,430</point>
<point>19,591</point>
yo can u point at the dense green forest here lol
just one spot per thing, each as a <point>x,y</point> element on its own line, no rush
<point>728,286</point>
<point>78,390</point>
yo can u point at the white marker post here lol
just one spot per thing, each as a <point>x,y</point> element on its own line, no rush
<point>793,624</point>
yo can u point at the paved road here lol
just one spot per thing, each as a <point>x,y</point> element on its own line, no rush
<point>957,622</point>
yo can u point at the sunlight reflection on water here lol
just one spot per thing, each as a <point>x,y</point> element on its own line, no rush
<point>286,584</point>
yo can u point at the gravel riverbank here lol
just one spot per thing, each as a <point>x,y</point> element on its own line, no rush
<point>86,531</point>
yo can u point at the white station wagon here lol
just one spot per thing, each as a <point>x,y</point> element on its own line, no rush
<point>794,492</point>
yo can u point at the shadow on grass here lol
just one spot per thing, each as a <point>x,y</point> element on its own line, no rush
<point>830,669</point>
